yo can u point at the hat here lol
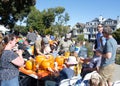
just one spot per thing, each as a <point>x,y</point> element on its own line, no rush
<point>45,40</point>
<point>71,60</point>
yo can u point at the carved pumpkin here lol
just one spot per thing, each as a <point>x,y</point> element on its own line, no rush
<point>39,59</point>
<point>50,58</point>
<point>35,66</point>
<point>28,65</point>
<point>59,60</point>
<point>45,65</point>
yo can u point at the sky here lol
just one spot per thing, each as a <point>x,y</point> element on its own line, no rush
<point>83,10</point>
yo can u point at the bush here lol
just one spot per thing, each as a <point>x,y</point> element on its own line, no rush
<point>80,37</point>
<point>117,60</point>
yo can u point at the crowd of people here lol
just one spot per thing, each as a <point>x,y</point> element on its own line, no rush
<point>14,50</point>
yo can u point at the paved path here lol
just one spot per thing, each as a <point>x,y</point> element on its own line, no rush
<point>116,73</point>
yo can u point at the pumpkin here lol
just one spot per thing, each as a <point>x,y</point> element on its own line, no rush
<point>67,54</point>
<point>59,60</point>
<point>43,73</point>
<point>51,42</point>
<point>32,50</point>
<point>35,66</point>
<point>50,58</point>
<point>39,59</point>
<point>28,65</point>
<point>48,62</point>
<point>45,65</point>
<point>25,71</point>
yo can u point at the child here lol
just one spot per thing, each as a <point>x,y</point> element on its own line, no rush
<point>92,64</point>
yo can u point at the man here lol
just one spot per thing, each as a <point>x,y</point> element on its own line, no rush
<point>31,36</point>
<point>100,40</point>
<point>108,56</point>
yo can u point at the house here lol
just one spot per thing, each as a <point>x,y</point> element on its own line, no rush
<point>90,29</point>
<point>3,29</point>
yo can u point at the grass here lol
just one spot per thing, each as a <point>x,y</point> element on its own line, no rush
<point>117,60</point>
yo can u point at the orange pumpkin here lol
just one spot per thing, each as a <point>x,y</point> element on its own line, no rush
<point>35,66</point>
<point>25,71</point>
<point>67,54</point>
<point>39,59</point>
<point>32,50</point>
<point>45,65</point>
<point>51,42</point>
<point>28,65</point>
<point>43,73</point>
<point>50,58</point>
<point>59,60</point>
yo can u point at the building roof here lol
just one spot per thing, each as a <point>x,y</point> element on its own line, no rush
<point>95,20</point>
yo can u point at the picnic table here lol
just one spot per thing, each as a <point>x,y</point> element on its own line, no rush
<point>26,76</point>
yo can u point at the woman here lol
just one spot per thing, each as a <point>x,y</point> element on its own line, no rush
<point>9,62</point>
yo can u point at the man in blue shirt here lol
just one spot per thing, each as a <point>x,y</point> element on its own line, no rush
<point>99,38</point>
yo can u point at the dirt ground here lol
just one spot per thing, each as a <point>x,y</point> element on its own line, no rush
<point>116,76</point>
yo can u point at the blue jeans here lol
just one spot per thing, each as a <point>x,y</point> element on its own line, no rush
<point>12,82</point>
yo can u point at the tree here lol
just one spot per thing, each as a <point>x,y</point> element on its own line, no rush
<point>62,19</point>
<point>34,20</point>
<point>80,27</point>
<point>13,10</point>
<point>20,30</point>
<point>40,21</point>
<point>44,21</point>
<point>48,17</point>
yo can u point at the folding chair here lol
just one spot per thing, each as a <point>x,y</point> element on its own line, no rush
<point>116,83</point>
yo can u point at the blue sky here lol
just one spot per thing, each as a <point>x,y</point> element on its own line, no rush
<point>83,10</point>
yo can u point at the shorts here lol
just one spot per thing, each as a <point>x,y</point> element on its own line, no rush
<point>107,72</point>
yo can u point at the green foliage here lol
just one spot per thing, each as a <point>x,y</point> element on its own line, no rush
<point>80,37</point>
<point>43,21</point>
<point>80,26</point>
<point>48,18</point>
<point>59,10</point>
<point>13,10</point>
<point>116,35</point>
<point>35,21</point>
<point>117,60</point>
<point>20,29</point>
<point>89,47</point>
<point>48,31</point>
